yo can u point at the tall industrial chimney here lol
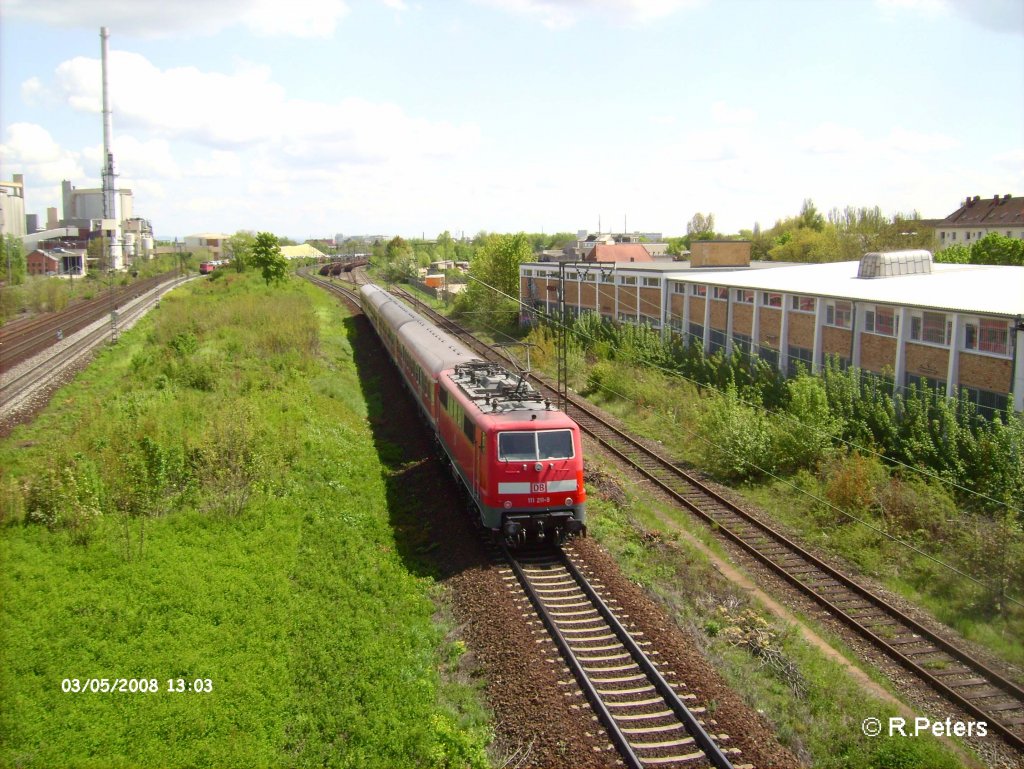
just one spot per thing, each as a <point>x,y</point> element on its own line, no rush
<point>110,200</point>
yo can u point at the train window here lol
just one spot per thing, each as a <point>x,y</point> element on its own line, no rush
<point>468,428</point>
<point>532,446</point>
<point>554,444</point>
<point>517,447</point>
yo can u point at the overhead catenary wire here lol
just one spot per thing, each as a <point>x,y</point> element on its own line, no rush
<point>784,415</point>
<point>910,546</point>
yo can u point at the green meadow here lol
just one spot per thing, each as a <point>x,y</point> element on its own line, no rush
<point>208,502</point>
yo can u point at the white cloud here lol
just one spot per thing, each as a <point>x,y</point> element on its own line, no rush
<point>157,18</point>
<point>557,14</point>
<point>219,164</point>
<point>34,151</point>
<point>248,108</point>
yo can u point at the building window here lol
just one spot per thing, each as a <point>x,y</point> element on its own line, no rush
<point>650,321</point>
<point>882,321</point>
<point>927,384</point>
<point>627,280</point>
<point>930,327</point>
<point>742,342</point>
<point>697,289</point>
<point>987,335</point>
<point>839,314</point>
<point>989,403</point>
<point>745,296</point>
<point>967,236</point>
<point>609,278</point>
<point>721,292</point>
<point>527,273</point>
<point>800,359</point>
<point>803,303</point>
<point>678,288</point>
<point>695,331</point>
<point>716,341</point>
<point>771,300</point>
<point>652,282</point>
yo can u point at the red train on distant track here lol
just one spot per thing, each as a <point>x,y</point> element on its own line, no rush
<point>519,457</point>
<point>205,268</point>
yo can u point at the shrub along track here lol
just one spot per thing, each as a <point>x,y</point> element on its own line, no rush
<point>953,672</point>
<point>541,716</point>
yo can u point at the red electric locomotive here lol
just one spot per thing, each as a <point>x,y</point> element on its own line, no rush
<point>519,457</point>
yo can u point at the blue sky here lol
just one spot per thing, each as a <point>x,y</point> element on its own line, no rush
<point>392,116</point>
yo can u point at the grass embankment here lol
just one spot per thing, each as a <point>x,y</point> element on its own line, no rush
<point>816,709</point>
<point>207,502</point>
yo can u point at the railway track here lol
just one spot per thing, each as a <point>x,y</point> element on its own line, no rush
<point>644,711</point>
<point>955,673</point>
<point>22,339</point>
<point>26,382</point>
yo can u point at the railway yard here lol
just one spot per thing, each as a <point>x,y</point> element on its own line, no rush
<point>582,662</point>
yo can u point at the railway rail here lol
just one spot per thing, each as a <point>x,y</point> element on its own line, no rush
<point>25,382</point>
<point>22,339</point>
<point>645,714</point>
<point>947,668</point>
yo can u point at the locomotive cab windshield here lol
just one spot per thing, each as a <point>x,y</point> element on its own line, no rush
<point>535,445</point>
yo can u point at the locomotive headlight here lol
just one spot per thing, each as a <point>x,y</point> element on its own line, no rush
<point>568,500</point>
<point>538,467</point>
<point>508,504</point>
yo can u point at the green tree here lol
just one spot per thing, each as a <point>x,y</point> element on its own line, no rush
<point>14,266</point>
<point>701,227</point>
<point>266,256</point>
<point>445,246</point>
<point>494,279</point>
<point>810,217</point>
<point>998,249</point>
<point>238,248</point>
<point>957,253</point>
<point>399,260</point>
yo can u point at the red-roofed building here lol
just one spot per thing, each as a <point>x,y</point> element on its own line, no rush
<point>41,263</point>
<point>619,252</point>
<point>976,218</point>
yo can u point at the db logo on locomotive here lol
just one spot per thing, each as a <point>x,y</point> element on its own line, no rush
<point>539,488</point>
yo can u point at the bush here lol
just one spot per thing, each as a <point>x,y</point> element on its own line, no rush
<point>68,499</point>
<point>853,483</point>
<point>917,507</point>
<point>737,439</point>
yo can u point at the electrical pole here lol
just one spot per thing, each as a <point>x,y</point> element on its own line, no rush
<point>563,342</point>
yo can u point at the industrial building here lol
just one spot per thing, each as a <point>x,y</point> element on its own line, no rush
<point>103,214</point>
<point>12,206</point>
<point>898,314</point>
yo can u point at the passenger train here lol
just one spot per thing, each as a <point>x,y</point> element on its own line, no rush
<point>519,457</point>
